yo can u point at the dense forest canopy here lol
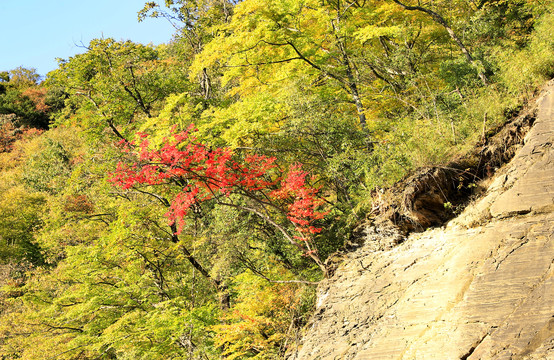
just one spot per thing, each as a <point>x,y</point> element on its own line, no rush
<point>180,201</point>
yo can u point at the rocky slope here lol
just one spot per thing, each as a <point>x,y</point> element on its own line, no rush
<point>481,287</point>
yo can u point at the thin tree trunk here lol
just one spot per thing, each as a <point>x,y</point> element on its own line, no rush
<point>356,97</point>
<point>351,82</point>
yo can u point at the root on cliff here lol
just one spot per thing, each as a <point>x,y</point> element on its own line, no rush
<point>434,195</point>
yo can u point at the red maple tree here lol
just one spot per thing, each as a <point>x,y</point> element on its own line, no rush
<point>203,173</point>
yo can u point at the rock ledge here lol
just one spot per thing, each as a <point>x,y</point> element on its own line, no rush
<point>481,287</point>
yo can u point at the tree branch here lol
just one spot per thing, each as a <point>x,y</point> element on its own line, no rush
<point>257,272</point>
<point>282,230</point>
<point>442,21</point>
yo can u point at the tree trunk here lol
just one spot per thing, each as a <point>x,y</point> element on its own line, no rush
<point>355,94</point>
<point>351,82</point>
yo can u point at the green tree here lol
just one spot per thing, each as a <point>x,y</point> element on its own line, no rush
<point>115,84</point>
<point>19,221</point>
<point>23,78</point>
<point>193,19</point>
<point>22,94</point>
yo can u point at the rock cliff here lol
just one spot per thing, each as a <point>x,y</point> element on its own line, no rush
<point>480,287</point>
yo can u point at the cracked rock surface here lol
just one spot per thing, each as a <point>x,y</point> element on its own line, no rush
<point>482,287</point>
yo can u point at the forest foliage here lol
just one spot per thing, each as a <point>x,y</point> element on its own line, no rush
<point>180,201</point>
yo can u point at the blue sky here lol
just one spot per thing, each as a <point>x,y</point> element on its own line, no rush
<point>33,33</point>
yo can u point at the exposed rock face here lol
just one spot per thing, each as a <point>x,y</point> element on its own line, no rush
<point>480,288</point>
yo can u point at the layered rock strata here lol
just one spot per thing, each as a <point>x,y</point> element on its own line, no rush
<point>481,287</point>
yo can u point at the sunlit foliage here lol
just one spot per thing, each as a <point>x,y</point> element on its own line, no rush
<point>180,201</point>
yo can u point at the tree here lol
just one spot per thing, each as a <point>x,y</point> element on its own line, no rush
<point>196,24</point>
<point>113,84</point>
<point>212,174</point>
<point>19,218</point>
<point>193,19</point>
<point>5,76</point>
<point>307,37</point>
<point>23,78</point>
<point>21,94</point>
<point>442,21</point>
<point>48,169</point>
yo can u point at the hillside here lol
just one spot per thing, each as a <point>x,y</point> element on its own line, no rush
<point>187,200</point>
<point>480,287</point>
